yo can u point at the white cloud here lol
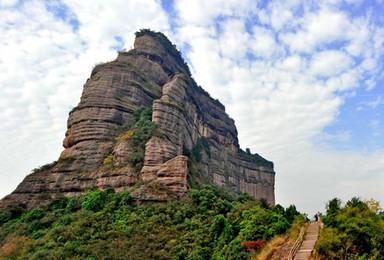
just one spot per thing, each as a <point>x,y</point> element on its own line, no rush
<point>263,43</point>
<point>339,136</point>
<point>282,14</point>
<point>330,63</point>
<point>378,42</point>
<point>293,64</point>
<point>233,41</point>
<point>100,22</point>
<point>359,35</point>
<point>7,3</point>
<point>373,104</point>
<point>204,13</point>
<point>316,30</point>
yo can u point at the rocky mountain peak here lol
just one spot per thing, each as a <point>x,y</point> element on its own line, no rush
<point>144,125</point>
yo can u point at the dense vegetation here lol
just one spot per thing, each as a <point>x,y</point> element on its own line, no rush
<point>210,224</point>
<point>353,231</point>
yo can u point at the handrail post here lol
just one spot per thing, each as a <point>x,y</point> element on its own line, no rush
<point>297,244</point>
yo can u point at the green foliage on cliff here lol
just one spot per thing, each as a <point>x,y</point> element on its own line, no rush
<point>49,166</point>
<point>353,231</point>
<point>137,134</point>
<point>141,130</point>
<point>201,145</point>
<point>210,224</point>
<point>196,174</point>
<point>256,158</point>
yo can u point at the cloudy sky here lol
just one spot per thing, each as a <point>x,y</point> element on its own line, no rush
<point>303,81</point>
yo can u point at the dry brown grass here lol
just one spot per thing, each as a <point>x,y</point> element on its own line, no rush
<point>266,251</point>
<point>11,245</point>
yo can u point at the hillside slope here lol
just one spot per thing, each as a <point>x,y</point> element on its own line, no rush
<point>208,224</point>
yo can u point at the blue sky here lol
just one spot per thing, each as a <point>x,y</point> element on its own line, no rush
<point>303,81</point>
<point>361,122</point>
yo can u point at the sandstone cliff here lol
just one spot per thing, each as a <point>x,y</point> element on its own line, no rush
<point>111,140</point>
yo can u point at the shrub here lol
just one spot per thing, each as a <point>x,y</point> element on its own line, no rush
<point>329,244</point>
<point>45,167</point>
<point>202,144</point>
<point>291,213</point>
<point>139,134</point>
<point>253,245</point>
<point>95,200</point>
<point>256,158</point>
<point>137,160</point>
<point>235,250</point>
<point>11,213</point>
<point>108,160</point>
<point>34,214</point>
<point>126,136</point>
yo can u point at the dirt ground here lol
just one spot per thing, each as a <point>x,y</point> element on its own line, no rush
<point>282,251</point>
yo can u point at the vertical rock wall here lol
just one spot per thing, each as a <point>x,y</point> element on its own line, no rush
<point>184,115</point>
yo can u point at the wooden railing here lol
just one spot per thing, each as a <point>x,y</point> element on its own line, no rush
<point>297,245</point>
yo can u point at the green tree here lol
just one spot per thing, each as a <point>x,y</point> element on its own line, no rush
<point>333,207</point>
<point>351,232</point>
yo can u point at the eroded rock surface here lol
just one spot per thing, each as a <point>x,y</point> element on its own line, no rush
<point>195,141</point>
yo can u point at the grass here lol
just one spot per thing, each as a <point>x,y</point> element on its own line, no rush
<point>270,247</point>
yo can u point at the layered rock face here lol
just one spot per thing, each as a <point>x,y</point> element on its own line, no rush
<point>194,143</point>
